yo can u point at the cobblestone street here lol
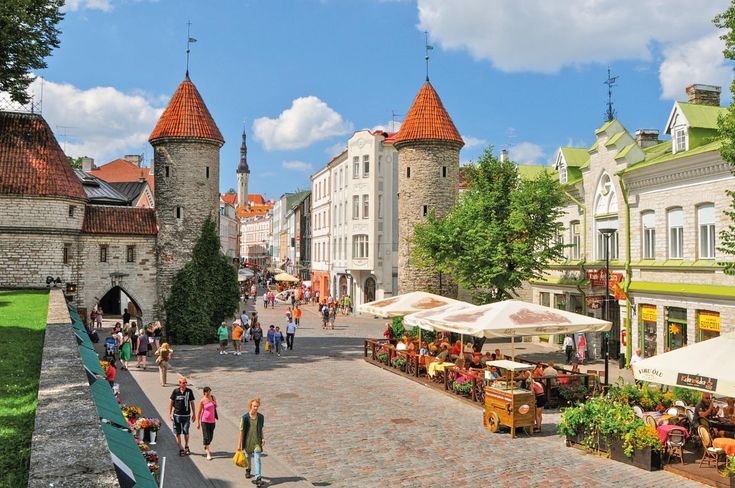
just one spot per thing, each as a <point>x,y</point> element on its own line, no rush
<point>335,420</point>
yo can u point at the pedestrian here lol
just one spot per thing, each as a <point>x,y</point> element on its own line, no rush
<point>278,340</point>
<point>290,333</point>
<point>252,440</point>
<point>265,299</point>
<point>244,319</point>
<point>257,336</point>
<point>222,335</point>
<point>332,315</point>
<point>142,349</point>
<point>297,315</point>
<point>237,333</point>
<point>125,348</point>
<point>271,338</point>
<point>134,336</point>
<point>163,356</point>
<point>316,297</point>
<point>569,348</point>
<point>156,333</point>
<point>582,348</point>
<point>538,390</point>
<point>272,298</point>
<point>181,408</point>
<point>325,316</point>
<point>126,317</point>
<point>207,418</point>
<point>111,372</point>
<point>98,318</point>
<point>289,314</point>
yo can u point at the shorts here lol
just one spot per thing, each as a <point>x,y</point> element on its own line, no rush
<point>142,353</point>
<point>540,401</point>
<point>223,343</point>
<point>181,424</point>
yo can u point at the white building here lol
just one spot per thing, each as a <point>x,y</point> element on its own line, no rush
<point>256,239</point>
<point>321,224</point>
<point>228,228</point>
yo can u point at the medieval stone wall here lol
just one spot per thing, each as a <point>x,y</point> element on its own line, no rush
<point>426,189</point>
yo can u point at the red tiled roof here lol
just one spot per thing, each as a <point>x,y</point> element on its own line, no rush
<point>428,120</point>
<point>31,161</point>
<point>390,137</point>
<point>230,198</point>
<point>123,171</point>
<point>186,116</point>
<point>256,198</point>
<point>99,219</point>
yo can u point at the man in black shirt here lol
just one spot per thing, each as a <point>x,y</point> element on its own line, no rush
<point>126,317</point>
<point>705,408</point>
<point>181,409</point>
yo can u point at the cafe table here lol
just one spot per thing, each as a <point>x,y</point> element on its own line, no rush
<point>726,444</point>
<point>663,431</point>
<point>724,423</point>
<point>437,367</point>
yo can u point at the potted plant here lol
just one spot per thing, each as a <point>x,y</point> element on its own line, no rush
<point>462,385</point>
<point>399,362</point>
<point>383,357</point>
<point>729,471</point>
<point>639,446</point>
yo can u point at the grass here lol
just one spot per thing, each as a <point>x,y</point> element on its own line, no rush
<point>22,326</point>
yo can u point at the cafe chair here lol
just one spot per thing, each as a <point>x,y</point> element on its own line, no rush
<point>675,444</point>
<point>638,411</point>
<point>710,452</point>
<point>673,412</point>
<point>649,420</point>
<point>680,403</point>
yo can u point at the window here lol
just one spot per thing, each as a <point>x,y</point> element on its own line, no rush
<point>408,171</point>
<point>335,182</point>
<point>130,254</point>
<point>359,246</point>
<point>72,208</point>
<point>338,248</point>
<point>66,256</point>
<point>380,164</point>
<point>340,178</point>
<point>365,166</point>
<point>380,206</point>
<point>576,240</point>
<point>365,207</point>
<point>601,239</point>
<point>680,139</point>
<point>676,233</point>
<point>648,224</point>
<point>344,248</point>
<point>178,212</point>
<point>706,221</point>
<point>356,167</point>
<point>426,210</point>
<point>207,172</point>
<point>167,171</point>
<point>103,253</point>
<point>355,207</point>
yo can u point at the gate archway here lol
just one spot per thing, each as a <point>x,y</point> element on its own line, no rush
<point>116,300</point>
<point>369,289</point>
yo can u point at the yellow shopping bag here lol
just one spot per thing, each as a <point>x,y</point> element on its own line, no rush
<point>267,346</point>
<point>240,459</point>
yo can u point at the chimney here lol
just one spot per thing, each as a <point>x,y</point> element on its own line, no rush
<point>133,158</point>
<point>646,137</point>
<point>87,164</point>
<point>704,94</point>
<point>503,155</point>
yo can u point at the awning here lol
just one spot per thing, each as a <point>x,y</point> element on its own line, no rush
<point>91,362</point>
<point>107,407</point>
<point>130,465</point>
<point>408,303</point>
<point>83,340</point>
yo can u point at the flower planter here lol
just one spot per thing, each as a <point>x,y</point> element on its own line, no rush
<point>646,458</point>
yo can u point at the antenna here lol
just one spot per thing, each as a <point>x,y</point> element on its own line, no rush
<point>427,49</point>
<point>610,82</point>
<point>64,133</point>
<point>189,41</point>
<point>393,120</point>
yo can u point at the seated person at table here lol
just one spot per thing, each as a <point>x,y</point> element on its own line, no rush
<point>476,362</point>
<point>401,346</point>
<point>456,349</point>
<point>424,349</point>
<point>494,375</point>
<point>444,354</point>
<point>550,371</point>
<point>729,409</point>
<point>498,355</point>
<point>487,357</point>
<point>538,371</point>
<point>704,409</point>
<point>411,345</point>
<point>523,378</point>
<point>469,348</point>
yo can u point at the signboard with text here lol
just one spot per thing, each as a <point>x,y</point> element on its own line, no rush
<point>708,321</point>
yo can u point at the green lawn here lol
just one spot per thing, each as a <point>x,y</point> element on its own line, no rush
<point>22,325</point>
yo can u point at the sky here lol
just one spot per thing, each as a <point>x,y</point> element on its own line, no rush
<point>300,76</point>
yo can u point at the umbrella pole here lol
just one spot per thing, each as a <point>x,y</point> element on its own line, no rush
<point>513,347</point>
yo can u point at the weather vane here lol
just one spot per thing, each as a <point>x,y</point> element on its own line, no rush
<point>610,82</point>
<point>426,56</point>
<point>189,41</point>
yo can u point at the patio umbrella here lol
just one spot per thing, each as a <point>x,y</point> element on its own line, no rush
<point>402,305</point>
<point>244,274</point>
<point>285,277</point>
<point>705,366</point>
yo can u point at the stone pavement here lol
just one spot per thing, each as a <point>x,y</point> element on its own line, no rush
<point>334,420</point>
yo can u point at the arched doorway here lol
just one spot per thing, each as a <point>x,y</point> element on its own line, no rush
<point>342,285</point>
<point>369,289</point>
<point>116,300</point>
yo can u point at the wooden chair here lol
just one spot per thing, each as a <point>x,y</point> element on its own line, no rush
<point>675,444</point>
<point>638,411</point>
<point>649,420</point>
<point>709,452</point>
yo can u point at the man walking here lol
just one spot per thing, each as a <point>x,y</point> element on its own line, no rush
<point>237,333</point>
<point>297,315</point>
<point>569,348</point>
<point>257,335</point>
<point>180,410</point>
<point>291,332</point>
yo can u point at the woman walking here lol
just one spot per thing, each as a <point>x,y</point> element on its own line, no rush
<point>163,356</point>
<point>271,338</point>
<point>252,440</point>
<point>207,418</point>
<point>125,349</point>
<point>278,340</point>
<point>142,353</point>
<point>257,336</point>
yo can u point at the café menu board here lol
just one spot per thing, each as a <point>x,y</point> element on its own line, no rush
<point>696,381</point>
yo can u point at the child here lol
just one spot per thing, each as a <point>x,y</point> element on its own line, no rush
<point>111,373</point>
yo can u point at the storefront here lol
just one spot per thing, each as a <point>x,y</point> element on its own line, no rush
<point>676,328</point>
<point>708,325</point>
<point>647,332</point>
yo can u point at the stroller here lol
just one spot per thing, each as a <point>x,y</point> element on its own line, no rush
<point>110,348</point>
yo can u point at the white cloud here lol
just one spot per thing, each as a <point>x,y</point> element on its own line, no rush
<point>470,141</point>
<point>335,149</point>
<point>100,122</point>
<point>698,61</point>
<point>307,121</point>
<point>544,36</point>
<point>389,126</point>
<point>526,153</point>
<point>74,5</point>
<point>297,165</point>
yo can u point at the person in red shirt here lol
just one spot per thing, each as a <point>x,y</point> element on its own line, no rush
<point>456,349</point>
<point>111,373</point>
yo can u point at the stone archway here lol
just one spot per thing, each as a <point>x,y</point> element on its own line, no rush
<point>116,299</point>
<point>369,289</point>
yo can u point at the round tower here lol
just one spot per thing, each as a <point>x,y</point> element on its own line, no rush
<point>428,147</point>
<point>186,144</point>
<point>243,173</point>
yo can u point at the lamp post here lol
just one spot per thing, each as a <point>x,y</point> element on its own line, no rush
<point>607,234</point>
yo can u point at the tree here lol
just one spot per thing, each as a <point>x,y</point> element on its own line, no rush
<point>28,34</point>
<point>75,163</point>
<point>501,233</point>
<point>726,127</point>
<point>204,293</point>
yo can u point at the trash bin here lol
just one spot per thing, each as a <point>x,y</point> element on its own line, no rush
<point>621,361</point>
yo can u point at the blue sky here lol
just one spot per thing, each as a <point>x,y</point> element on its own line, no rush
<point>302,75</point>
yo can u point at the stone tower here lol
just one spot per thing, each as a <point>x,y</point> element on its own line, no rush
<point>186,144</point>
<point>428,147</point>
<point>243,173</point>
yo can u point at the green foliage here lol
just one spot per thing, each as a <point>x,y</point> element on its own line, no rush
<point>686,395</point>
<point>383,357</point>
<point>397,327</point>
<point>728,470</point>
<point>399,362</point>
<point>28,34</point>
<point>465,388</point>
<point>638,435</point>
<point>726,128</point>
<point>573,393</point>
<point>22,328</point>
<point>75,163</point>
<point>204,293</point>
<point>426,335</point>
<point>500,234</point>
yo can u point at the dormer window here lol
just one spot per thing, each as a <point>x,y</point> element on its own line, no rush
<point>680,139</point>
<point>562,172</point>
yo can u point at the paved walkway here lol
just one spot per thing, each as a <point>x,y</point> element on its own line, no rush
<point>334,420</point>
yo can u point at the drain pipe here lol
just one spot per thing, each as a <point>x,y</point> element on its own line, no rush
<point>628,276</point>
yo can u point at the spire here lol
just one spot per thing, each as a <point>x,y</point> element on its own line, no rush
<point>186,117</point>
<point>243,167</point>
<point>427,119</point>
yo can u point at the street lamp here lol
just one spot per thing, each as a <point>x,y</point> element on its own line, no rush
<point>607,234</point>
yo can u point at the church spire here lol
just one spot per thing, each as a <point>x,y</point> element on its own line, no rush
<point>243,166</point>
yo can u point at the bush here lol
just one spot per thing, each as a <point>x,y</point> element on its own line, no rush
<point>573,393</point>
<point>397,328</point>
<point>461,386</point>
<point>399,362</point>
<point>383,357</point>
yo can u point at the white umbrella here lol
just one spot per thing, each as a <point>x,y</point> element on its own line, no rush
<point>425,318</point>
<point>705,366</point>
<point>401,305</point>
<point>285,277</point>
<point>244,274</point>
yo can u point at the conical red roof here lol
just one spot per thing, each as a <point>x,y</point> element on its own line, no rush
<point>427,119</point>
<point>186,117</point>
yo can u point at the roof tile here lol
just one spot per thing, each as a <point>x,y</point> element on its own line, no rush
<point>100,219</point>
<point>428,119</point>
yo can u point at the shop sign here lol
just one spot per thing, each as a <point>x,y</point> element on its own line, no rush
<point>649,313</point>
<point>595,302</point>
<point>597,280</point>
<point>696,381</point>
<point>708,321</point>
